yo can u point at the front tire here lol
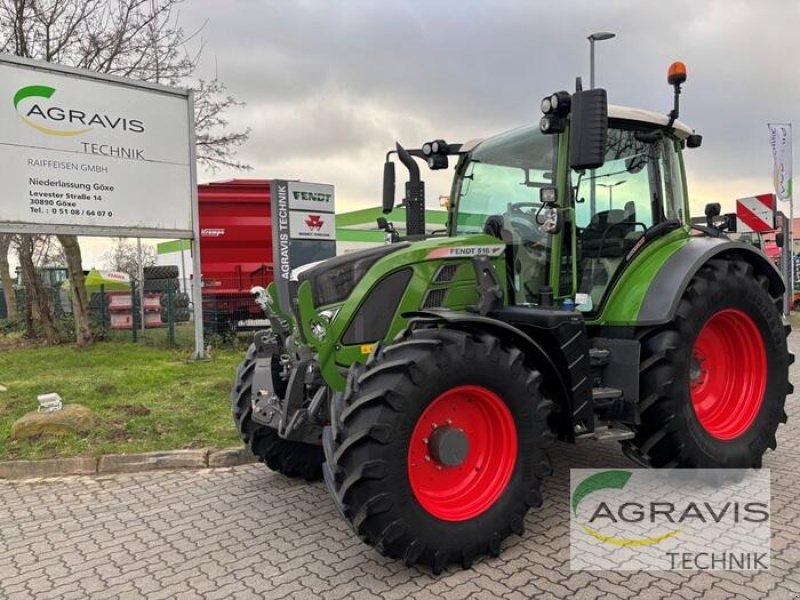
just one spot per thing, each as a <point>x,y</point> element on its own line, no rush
<point>293,459</point>
<point>438,448</point>
<point>714,382</point>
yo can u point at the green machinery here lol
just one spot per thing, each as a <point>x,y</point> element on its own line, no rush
<point>571,299</point>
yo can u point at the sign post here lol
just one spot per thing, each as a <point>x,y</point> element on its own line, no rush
<point>303,228</point>
<point>89,154</point>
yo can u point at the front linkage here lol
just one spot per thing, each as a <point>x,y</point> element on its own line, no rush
<point>279,400</point>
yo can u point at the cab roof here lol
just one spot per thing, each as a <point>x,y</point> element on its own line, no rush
<point>627,113</point>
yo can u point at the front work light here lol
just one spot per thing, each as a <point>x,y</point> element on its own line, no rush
<point>437,161</point>
<point>552,124</point>
<point>560,103</point>
<point>439,147</point>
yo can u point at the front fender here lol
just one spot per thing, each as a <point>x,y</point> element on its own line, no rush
<point>553,382</point>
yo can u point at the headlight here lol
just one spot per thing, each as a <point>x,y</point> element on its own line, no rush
<point>547,105</point>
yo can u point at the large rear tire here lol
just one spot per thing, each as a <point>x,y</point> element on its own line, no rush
<point>438,447</point>
<point>293,459</point>
<point>713,382</point>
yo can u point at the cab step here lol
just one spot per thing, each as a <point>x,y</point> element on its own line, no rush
<point>607,432</point>
<point>599,357</point>
<point>610,404</point>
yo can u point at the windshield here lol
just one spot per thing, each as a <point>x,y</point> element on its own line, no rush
<point>507,169</point>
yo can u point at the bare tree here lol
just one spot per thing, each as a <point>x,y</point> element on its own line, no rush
<point>6,280</point>
<point>39,309</point>
<point>124,256</point>
<point>138,39</point>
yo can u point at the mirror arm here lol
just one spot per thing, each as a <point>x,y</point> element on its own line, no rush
<point>410,164</point>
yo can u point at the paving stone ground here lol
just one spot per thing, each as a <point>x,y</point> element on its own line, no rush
<point>245,532</point>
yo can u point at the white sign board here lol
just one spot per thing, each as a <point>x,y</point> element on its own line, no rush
<point>83,153</point>
<point>312,226</point>
<point>311,211</point>
<point>303,228</point>
<point>313,197</point>
<point>756,213</point>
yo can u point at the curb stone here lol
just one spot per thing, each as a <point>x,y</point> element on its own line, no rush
<point>230,457</point>
<point>126,463</point>
<point>55,467</point>
<point>149,461</point>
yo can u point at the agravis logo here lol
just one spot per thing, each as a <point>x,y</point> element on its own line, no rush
<point>59,121</point>
<point>610,480</point>
<point>637,519</point>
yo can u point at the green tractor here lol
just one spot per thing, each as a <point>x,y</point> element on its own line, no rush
<point>571,299</point>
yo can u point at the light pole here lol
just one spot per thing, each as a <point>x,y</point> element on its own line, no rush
<point>598,36</point>
<point>610,187</point>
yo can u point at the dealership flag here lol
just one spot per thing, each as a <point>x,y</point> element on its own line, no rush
<point>780,138</point>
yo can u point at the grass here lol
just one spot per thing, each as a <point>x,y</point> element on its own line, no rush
<point>146,397</point>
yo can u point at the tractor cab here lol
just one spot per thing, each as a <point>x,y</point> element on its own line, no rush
<point>569,230</point>
<point>574,199</point>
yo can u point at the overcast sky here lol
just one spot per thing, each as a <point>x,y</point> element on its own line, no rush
<point>330,85</point>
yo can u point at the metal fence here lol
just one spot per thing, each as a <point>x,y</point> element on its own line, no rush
<point>228,306</point>
<point>163,317</point>
<point>160,314</point>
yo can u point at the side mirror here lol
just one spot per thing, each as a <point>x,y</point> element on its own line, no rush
<point>713,209</point>
<point>388,186</point>
<point>694,140</point>
<point>730,222</point>
<point>550,220</point>
<point>588,134</point>
<point>779,239</point>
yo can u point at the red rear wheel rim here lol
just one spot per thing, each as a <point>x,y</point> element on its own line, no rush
<point>728,374</point>
<point>463,491</point>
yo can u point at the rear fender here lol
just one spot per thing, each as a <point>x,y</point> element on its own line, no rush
<point>660,303</point>
<point>649,288</point>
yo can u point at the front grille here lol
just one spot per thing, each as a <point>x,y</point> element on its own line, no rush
<point>434,298</point>
<point>374,317</point>
<point>445,273</point>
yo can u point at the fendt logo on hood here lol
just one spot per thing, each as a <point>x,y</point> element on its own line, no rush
<point>57,120</point>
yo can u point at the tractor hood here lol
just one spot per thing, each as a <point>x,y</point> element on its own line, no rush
<point>333,280</point>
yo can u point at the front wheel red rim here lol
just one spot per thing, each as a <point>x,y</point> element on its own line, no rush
<point>728,374</point>
<point>484,430</point>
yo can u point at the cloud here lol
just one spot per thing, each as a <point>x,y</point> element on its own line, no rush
<point>330,86</point>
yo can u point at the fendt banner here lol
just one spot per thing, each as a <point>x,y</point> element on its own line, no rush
<point>303,227</point>
<point>82,153</point>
